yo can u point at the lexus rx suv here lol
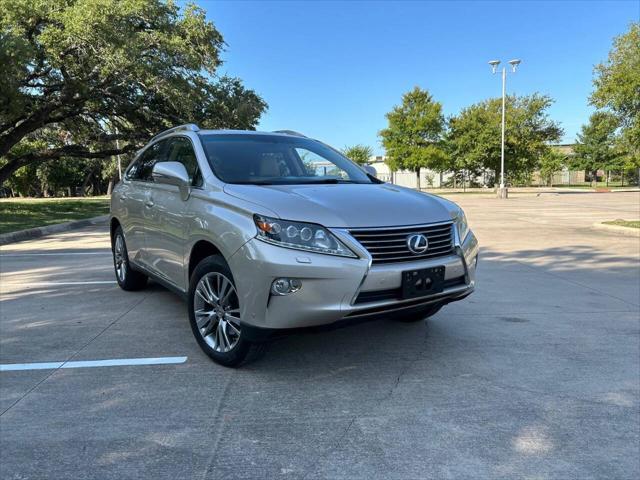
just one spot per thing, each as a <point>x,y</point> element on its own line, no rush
<point>263,233</point>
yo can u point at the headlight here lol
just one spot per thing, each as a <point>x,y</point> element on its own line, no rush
<point>460,220</point>
<point>301,236</point>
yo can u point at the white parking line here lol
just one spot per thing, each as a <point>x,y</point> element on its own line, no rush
<point>106,252</point>
<point>53,284</point>
<point>118,362</point>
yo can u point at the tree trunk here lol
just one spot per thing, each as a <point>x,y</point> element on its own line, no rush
<point>85,183</point>
<point>418,179</point>
<point>7,170</point>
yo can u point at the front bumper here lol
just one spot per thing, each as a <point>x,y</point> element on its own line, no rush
<point>336,288</point>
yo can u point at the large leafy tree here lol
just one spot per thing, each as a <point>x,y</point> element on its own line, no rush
<point>78,74</point>
<point>474,137</point>
<point>617,89</point>
<point>596,146</point>
<point>413,138</point>
<point>358,153</point>
<point>551,162</point>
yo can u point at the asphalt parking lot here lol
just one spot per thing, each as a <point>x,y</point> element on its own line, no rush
<point>536,375</point>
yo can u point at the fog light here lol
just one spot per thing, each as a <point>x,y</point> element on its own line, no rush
<point>285,286</point>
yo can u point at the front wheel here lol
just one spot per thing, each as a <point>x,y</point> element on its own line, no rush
<point>214,314</point>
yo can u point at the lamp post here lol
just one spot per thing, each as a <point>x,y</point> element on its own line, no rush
<point>503,192</point>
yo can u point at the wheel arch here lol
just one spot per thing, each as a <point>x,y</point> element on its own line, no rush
<point>201,250</point>
<point>113,225</point>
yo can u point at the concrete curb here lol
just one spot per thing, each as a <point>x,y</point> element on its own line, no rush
<point>32,233</point>
<point>629,231</point>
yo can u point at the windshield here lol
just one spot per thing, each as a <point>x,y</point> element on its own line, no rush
<point>277,160</point>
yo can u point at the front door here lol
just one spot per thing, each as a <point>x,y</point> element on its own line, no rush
<point>166,228</point>
<point>132,197</point>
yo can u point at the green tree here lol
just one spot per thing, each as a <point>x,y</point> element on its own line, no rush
<point>358,153</point>
<point>413,139</point>
<point>551,162</point>
<point>474,137</point>
<point>75,71</point>
<point>617,88</point>
<point>596,146</point>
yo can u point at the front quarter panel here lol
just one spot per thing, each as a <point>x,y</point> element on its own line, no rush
<point>228,225</point>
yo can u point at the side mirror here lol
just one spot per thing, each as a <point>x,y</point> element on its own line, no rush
<point>370,170</point>
<point>172,173</point>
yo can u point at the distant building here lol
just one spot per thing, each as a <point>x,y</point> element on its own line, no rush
<point>565,148</point>
<point>407,178</point>
<point>567,176</point>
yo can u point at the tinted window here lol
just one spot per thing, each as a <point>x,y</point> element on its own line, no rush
<point>181,150</point>
<point>277,159</point>
<point>151,155</point>
<point>133,170</point>
<point>141,167</point>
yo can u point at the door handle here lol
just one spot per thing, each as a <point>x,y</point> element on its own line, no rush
<point>149,203</point>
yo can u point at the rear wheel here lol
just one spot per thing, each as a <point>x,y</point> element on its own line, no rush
<point>127,278</point>
<point>214,314</point>
<point>417,315</point>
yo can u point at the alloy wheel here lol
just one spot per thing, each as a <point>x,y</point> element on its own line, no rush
<point>118,255</point>
<point>217,312</point>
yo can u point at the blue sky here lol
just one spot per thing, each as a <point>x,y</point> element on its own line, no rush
<point>333,69</point>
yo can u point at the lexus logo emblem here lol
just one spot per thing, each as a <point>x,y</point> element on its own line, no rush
<point>417,243</point>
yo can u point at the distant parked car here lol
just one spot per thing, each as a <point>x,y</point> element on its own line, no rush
<point>267,232</point>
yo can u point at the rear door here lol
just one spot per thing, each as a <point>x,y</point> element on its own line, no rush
<point>166,226</point>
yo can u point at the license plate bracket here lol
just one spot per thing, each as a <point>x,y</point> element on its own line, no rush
<point>422,282</point>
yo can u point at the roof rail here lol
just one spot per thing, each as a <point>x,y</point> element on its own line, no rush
<point>190,127</point>
<point>290,132</point>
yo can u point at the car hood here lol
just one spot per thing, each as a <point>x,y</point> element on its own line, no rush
<point>347,205</point>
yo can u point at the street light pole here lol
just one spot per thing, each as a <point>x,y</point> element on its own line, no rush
<point>118,156</point>
<point>503,192</point>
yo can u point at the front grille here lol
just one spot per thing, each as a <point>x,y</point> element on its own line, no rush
<point>396,293</point>
<point>389,245</point>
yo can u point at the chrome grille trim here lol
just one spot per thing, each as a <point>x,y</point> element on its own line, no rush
<point>388,245</point>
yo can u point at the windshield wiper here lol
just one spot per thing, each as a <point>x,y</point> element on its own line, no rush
<point>256,182</point>
<point>328,180</point>
<point>296,182</point>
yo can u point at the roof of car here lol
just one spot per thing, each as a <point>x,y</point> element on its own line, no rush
<point>288,133</point>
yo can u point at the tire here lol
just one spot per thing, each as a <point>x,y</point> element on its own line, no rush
<point>217,326</point>
<point>418,315</point>
<point>128,278</point>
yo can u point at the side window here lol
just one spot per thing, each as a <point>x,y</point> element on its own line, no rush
<point>149,158</point>
<point>133,170</point>
<point>181,150</point>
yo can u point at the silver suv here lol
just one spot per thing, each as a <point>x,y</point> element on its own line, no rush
<point>267,232</point>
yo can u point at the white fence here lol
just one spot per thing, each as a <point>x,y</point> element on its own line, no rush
<point>431,179</point>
